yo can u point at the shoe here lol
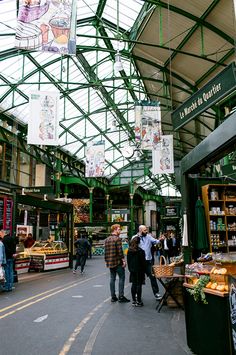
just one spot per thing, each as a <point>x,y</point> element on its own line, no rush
<point>114,299</point>
<point>74,271</point>
<point>139,304</point>
<point>134,303</point>
<point>123,299</point>
<point>158,296</point>
<point>81,272</point>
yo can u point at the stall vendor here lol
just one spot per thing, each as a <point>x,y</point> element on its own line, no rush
<point>29,241</point>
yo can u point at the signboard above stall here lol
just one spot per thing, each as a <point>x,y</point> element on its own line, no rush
<point>171,211</point>
<point>216,89</point>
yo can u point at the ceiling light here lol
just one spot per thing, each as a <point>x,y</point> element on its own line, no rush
<point>118,66</point>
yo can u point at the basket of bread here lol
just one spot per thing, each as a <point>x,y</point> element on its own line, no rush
<point>218,280</point>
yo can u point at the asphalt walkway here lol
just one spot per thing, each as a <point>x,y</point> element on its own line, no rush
<point>61,313</point>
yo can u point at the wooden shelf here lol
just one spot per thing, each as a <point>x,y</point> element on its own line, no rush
<point>223,203</point>
<point>208,290</point>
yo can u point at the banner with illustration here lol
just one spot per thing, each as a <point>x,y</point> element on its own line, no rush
<point>47,25</point>
<point>163,157</point>
<point>95,159</point>
<point>43,118</point>
<point>148,124</point>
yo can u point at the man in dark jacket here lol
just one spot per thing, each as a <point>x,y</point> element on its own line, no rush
<point>10,250</point>
<point>82,247</point>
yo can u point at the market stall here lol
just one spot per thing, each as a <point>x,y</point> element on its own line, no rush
<point>207,306</point>
<point>41,256</point>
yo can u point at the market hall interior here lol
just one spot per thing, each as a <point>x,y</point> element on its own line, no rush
<point>58,312</point>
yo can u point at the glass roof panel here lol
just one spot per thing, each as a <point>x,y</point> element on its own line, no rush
<point>86,8</point>
<point>96,103</point>
<point>127,12</point>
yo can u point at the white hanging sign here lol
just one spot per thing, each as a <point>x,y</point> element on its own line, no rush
<point>163,157</point>
<point>95,159</point>
<point>148,124</point>
<point>43,118</point>
<point>48,26</point>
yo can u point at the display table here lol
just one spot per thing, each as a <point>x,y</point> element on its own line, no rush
<point>169,283</point>
<point>208,326</point>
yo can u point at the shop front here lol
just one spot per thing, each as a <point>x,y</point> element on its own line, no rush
<point>49,224</point>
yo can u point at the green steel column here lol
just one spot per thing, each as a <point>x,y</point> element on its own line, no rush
<point>226,160</point>
<point>66,191</point>
<point>107,206</point>
<point>143,210</point>
<point>91,204</point>
<point>110,211</point>
<point>58,178</point>
<point>131,197</point>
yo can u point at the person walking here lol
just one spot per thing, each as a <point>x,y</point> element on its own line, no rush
<point>2,261</point>
<point>10,250</point>
<point>146,242</point>
<point>115,261</point>
<point>82,247</point>
<point>167,245</point>
<point>136,266</point>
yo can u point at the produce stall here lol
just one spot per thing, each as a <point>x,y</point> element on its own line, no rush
<point>207,307</point>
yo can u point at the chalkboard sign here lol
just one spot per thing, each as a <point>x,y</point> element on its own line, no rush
<point>8,215</point>
<point>232,304</point>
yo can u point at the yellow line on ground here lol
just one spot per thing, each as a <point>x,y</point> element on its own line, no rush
<point>93,336</point>
<point>75,333</point>
<point>89,345</point>
<point>42,298</point>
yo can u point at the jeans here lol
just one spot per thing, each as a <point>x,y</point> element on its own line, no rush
<point>148,272</point>
<point>121,273</point>
<point>136,291</point>
<point>9,274</point>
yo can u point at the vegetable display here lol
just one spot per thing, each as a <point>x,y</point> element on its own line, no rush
<point>197,291</point>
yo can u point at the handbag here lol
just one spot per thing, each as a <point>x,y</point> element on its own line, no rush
<point>2,274</point>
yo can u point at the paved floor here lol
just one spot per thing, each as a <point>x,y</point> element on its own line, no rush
<point>60,313</point>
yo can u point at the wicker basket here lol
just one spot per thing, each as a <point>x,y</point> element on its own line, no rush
<point>163,270</point>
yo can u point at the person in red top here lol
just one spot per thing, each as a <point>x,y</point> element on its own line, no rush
<point>115,261</point>
<point>29,241</point>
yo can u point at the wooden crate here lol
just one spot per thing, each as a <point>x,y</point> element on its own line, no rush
<point>178,294</point>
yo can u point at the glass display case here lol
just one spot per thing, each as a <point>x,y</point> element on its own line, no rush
<point>48,256</point>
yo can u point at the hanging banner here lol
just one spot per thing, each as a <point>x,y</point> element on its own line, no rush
<point>163,157</point>
<point>95,159</point>
<point>43,118</point>
<point>47,25</point>
<point>148,124</point>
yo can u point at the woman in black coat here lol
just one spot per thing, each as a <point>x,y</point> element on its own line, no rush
<point>136,266</point>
